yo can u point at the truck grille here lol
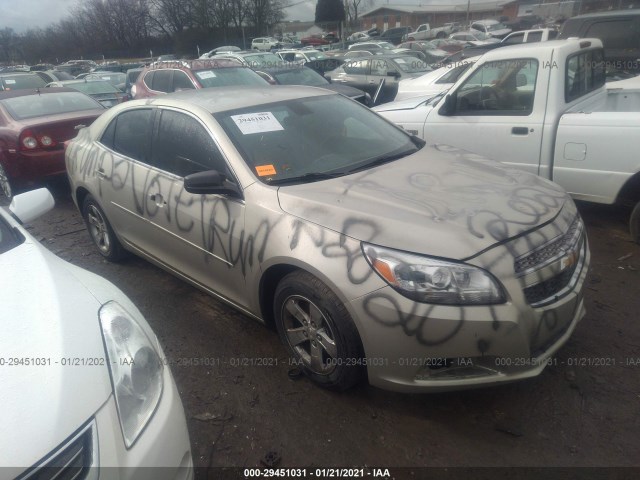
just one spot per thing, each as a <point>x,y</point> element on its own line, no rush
<point>564,254</point>
<point>70,461</point>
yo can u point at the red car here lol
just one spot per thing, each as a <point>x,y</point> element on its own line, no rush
<point>34,124</point>
<point>315,40</point>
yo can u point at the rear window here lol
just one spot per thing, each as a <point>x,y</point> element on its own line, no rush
<point>40,105</point>
<point>20,82</point>
<point>93,87</point>
<point>585,72</point>
<point>621,33</point>
<point>227,77</point>
<point>303,76</point>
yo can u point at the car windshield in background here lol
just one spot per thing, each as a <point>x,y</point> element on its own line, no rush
<point>31,106</point>
<point>313,138</point>
<point>263,60</point>
<point>302,76</point>
<point>112,78</point>
<point>228,77</point>
<point>495,27</point>
<point>411,64</point>
<point>8,238</point>
<point>315,56</point>
<point>21,82</point>
<point>93,87</point>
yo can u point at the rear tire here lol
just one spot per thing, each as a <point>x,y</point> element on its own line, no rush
<point>441,35</point>
<point>318,331</point>
<point>101,232</point>
<point>634,223</point>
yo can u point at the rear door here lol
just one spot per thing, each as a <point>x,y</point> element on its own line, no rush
<point>355,74</point>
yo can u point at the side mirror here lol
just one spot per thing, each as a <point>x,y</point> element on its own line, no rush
<point>521,80</point>
<point>210,182</point>
<point>449,106</point>
<point>393,73</point>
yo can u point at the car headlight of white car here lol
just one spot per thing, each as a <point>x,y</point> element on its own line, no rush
<point>433,280</point>
<point>135,367</point>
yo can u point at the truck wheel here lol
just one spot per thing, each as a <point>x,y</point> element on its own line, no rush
<point>101,232</point>
<point>634,223</point>
<point>318,331</point>
<point>441,35</point>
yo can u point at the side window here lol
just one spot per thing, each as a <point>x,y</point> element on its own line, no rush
<point>107,136</point>
<point>133,133</point>
<point>357,67</point>
<point>182,146</point>
<point>505,87</point>
<point>534,37</point>
<point>162,81</point>
<point>148,79</point>
<point>379,68</point>
<point>585,73</point>
<point>514,39</point>
<point>181,81</point>
<point>614,34</point>
<point>300,57</point>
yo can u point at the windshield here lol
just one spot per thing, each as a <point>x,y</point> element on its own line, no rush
<point>411,64</point>
<point>228,77</point>
<point>315,56</point>
<point>263,60</point>
<point>480,35</point>
<point>20,82</point>
<point>40,105</point>
<point>301,76</point>
<point>495,27</point>
<point>308,139</point>
<point>113,78</point>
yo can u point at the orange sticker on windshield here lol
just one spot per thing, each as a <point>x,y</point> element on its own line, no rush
<point>264,170</point>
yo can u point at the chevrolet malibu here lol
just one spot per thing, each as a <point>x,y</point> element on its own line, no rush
<point>422,268</point>
<point>83,380</point>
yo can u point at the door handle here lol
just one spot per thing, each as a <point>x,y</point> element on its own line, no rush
<point>100,173</point>
<point>520,131</point>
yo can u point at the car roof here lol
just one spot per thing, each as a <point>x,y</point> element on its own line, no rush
<point>220,99</point>
<point>198,64</point>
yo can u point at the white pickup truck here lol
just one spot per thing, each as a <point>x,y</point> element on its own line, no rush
<point>425,32</point>
<point>544,108</point>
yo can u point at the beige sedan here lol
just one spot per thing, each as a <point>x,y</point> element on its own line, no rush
<point>422,268</point>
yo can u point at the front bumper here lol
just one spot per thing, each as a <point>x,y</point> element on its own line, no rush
<point>414,347</point>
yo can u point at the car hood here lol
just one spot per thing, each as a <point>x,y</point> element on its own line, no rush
<point>454,204</point>
<point>46,313</point>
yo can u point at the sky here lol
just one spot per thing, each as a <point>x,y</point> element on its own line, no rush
<point>24,14</point>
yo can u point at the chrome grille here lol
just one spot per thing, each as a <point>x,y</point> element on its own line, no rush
<point>551,250</point>
<point>549,272</point>
<point>70,461</point>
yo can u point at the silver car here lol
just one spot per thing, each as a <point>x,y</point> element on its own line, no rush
<point>422,267</point>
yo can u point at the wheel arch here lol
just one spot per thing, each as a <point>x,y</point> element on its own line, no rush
<point>629,194</point>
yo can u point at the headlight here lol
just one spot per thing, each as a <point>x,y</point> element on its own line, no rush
<point>431,280</point>
<point>136,369</point>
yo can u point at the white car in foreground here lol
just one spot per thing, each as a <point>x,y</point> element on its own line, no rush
<point>83,380</point>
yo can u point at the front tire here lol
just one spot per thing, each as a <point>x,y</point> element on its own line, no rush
<point>100,231</point>
<point>634,223</point>
<point>6,192</point>
<point>318,331</point>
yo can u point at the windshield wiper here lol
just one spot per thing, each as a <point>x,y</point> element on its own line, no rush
<point>307,177</point>
<point>381,160</point>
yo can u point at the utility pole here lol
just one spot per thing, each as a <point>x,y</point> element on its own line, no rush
<point>468,8</point>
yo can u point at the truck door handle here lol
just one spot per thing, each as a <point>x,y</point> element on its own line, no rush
<point>519,130</point>
<point>100,173</point>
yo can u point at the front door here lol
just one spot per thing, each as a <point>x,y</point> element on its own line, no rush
<point>496,113</point>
